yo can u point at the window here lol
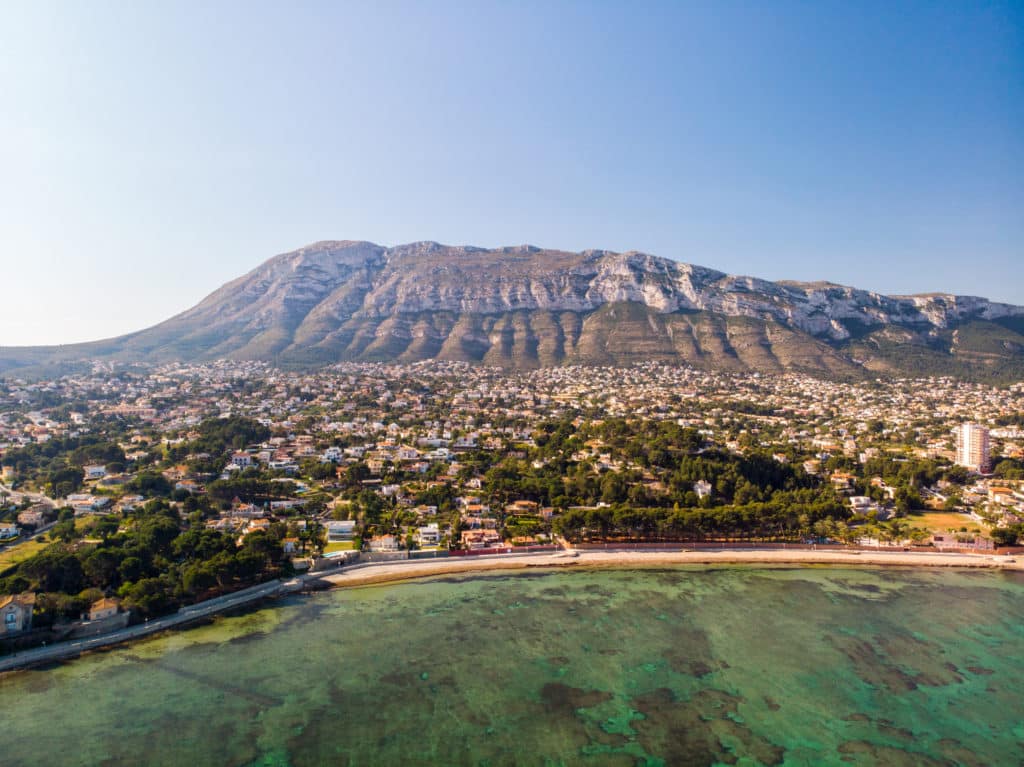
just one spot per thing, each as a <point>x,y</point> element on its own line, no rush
<point>10,619</point>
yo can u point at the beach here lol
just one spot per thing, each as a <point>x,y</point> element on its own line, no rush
<point>403,570</point>
<point>407,569</point>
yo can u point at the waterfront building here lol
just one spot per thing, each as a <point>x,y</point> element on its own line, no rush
<point>16,612</point>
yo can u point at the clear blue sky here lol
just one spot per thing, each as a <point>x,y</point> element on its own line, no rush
<point>151,151</point>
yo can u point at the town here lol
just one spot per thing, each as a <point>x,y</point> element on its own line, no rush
<point>128,492</point>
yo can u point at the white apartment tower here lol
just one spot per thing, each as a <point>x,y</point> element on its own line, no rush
<point>972,447</point>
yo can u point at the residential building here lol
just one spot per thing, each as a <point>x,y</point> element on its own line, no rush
<point>16,612</point>
<point>104,608</point>
<point>972,447</point>
<point>429,535</point>
<point>35,517</point>
<point>384,543</point>
<point>341,530</point>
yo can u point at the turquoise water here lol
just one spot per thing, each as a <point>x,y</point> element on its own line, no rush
<point>683,666</point>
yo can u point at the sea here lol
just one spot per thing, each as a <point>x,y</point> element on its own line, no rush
<point>730,665</point>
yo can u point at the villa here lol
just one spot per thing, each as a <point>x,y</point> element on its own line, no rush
<point>16,612</point>
<point>341,530</point>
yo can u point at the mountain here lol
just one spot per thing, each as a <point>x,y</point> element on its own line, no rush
<point>524,307</point>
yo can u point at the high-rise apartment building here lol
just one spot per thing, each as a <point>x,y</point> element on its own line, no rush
<point>972,447</point>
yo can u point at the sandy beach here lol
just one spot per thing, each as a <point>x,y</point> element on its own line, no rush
<point>405,570</point>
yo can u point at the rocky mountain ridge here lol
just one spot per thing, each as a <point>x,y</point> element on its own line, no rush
<point>525,306</point>
<point>426,276</point>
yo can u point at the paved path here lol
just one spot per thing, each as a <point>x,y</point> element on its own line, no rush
<point>75,647</point>
<point>401,570</point>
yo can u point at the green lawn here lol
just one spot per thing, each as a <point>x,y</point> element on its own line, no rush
<point>12,555</point>
<point>339,546</point>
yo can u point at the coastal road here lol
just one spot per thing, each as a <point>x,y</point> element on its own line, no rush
<point>75,647</point>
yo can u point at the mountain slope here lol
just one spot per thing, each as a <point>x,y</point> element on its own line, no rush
<point>528,307</point>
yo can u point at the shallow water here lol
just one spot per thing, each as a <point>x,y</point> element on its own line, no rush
<point>680,666</point>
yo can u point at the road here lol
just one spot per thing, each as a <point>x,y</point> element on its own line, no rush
<point>18,495</point>
<point>25,537</point>
<point>75,647</point>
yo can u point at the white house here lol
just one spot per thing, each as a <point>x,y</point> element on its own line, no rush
<point>87,504</point>
<point>862,504</point>
<point>341,530</point>
<point>131,502</point>
<point>429,535</point>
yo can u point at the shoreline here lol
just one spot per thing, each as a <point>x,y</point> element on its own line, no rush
<point>393,572</point>
<point>409,570</point>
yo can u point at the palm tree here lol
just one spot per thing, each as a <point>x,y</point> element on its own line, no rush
<point>872,530</point>
<point>897,530</point>
<point>919,535</point>
<point>315,533</point>
<point>847,534</point>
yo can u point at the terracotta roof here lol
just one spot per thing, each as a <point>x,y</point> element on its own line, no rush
<point>25,600</point>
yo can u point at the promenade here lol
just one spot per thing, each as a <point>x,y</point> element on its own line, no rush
<point>62,650</point>
<point>767,555</point>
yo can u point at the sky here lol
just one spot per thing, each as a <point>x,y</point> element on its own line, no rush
<point>150,152</point>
